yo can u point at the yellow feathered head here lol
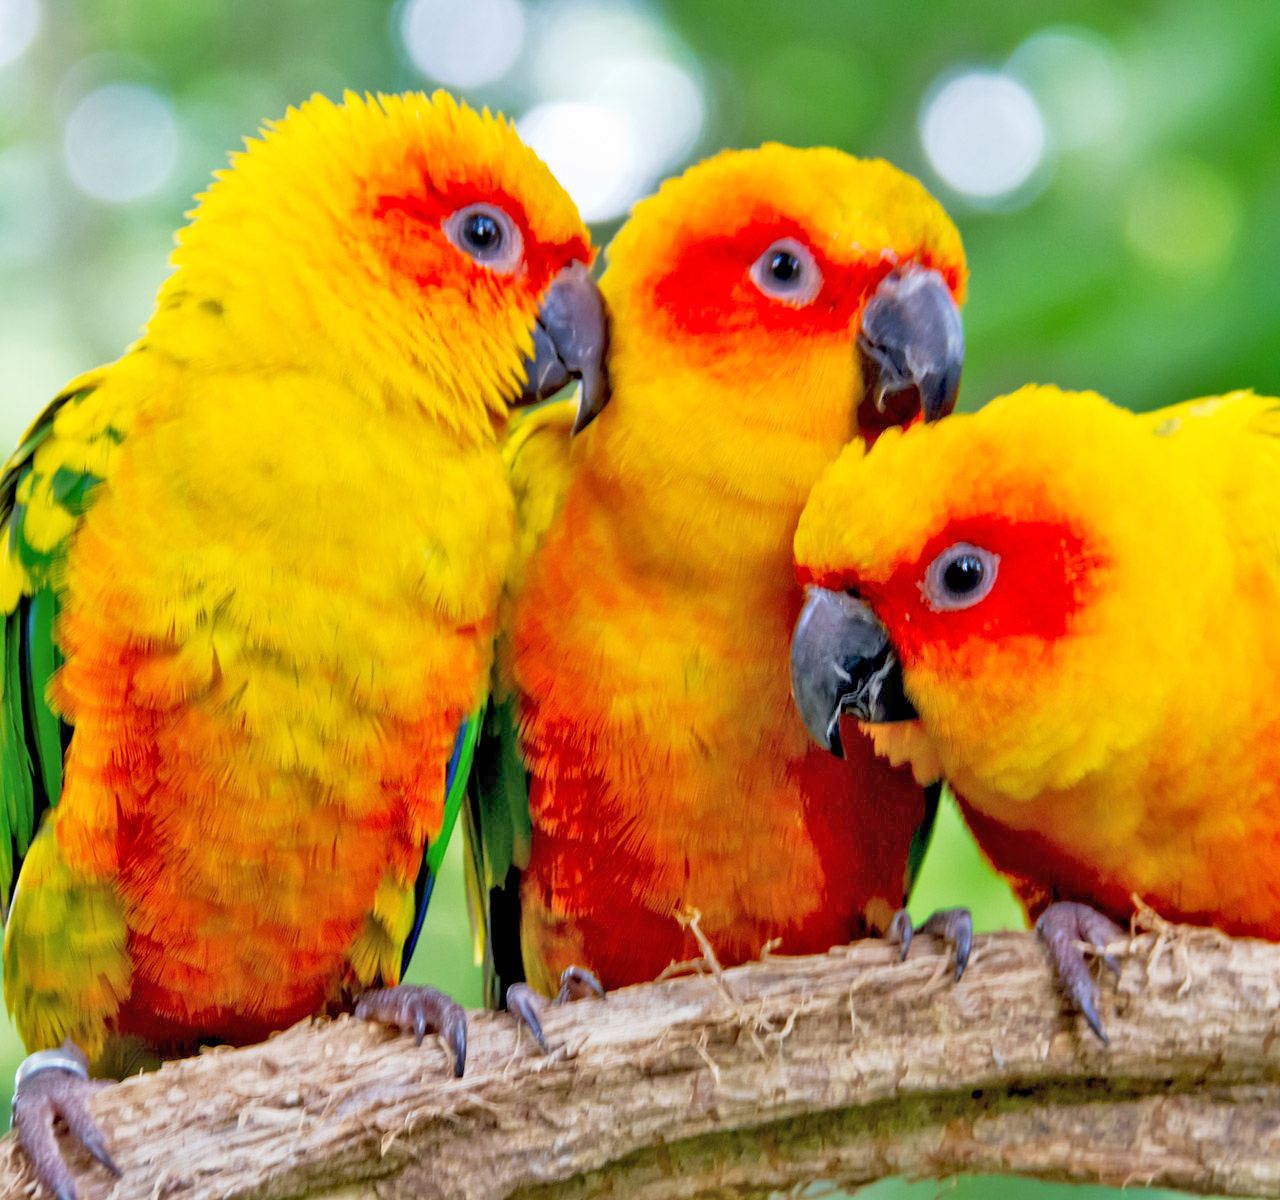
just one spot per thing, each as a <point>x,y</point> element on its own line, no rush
<point>754,297</point>
<point>1026,580</point>
<point>402,243</point>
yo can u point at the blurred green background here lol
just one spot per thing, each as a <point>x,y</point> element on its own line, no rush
<point>1115,171</point>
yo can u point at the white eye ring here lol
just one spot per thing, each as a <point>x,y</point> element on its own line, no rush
<point>960,577</point>
<point>486,234</point>
<point>788,272</point>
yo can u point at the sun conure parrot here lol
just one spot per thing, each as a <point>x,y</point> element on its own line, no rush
<point>1025,602</point>
<point>249,576</point>
<point>764,307</point>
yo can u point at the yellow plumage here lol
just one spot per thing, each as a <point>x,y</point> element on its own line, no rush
<point>651,592</point>
<point>276,530</point>
<point>1106,713</point>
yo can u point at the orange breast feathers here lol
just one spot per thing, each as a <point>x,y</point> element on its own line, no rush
<point>247,888</point>
<point>258,755</point>
<point>649,633</point>
<point>671,776</point>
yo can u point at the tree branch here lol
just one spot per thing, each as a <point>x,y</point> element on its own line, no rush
<point>846,1067</point>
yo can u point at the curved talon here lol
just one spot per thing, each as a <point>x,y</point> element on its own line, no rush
<point>417,1010</point>
<point>1061,927</point>
<point>900,932</point>
<point>526,1006</point>
<point>52,1084</point>
<point>577,983</point>
<point>953,925</point>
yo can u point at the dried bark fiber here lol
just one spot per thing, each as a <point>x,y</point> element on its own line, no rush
<point>847,1066</point>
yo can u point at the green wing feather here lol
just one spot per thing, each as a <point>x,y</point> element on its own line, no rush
<point>42,659</point>
<point>457,790</point>
<point>498,833</point>
<point>459,768</point>
<point>33,737</point>
<point>538,458</point>
<point>16,775</point>
<point>920,839</point>
<point>502,795</point>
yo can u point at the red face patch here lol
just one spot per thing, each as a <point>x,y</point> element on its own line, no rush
<point>1045,575</point>
<point>418,247</point>
<point>708,287</point>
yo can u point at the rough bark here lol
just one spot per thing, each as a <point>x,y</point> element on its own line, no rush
<point>847,1067</point>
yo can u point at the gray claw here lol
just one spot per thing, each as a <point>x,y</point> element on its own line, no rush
<point>417,1010</point>
<point>526,1006</point>
<point>953,925</point>
<point>53,1084</point>
<point>577,983</point>
<point>1061,926</point>
<point>900,933</point>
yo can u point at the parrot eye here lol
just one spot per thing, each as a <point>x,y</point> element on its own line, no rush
<point>488,235</point>
<point>959,577</point>
<point>787,272</point>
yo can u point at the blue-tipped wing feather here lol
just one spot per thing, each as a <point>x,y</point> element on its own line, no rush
<point>455,786</point>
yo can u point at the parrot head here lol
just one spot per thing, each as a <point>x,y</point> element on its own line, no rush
<point>412,246</point>
<point>788,298</point>
<point>990,595</point>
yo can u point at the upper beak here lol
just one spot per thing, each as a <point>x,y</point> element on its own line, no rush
<point>569,342</point>
<point>843,662</point>
<point>912,348</point>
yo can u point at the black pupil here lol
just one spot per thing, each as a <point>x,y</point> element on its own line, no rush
<point>784,266</point>
<point>482,232</point>
<point>963,574</point>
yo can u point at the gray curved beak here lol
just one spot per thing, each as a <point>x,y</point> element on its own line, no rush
<point>912,348</point>
<point>843,662</point>
<point>570,341</point>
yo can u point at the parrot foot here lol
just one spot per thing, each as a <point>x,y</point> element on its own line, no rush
<point>526,1006</point>
<point>1062,926</point>
<point>953,925</point>
<point>52,1084</point>
<point>416,1010</point>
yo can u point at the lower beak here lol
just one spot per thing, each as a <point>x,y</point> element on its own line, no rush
<point>569,342</point>
<point>912,348</point>
<point>843,662</point>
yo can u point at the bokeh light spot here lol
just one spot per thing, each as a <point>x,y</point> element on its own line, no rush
<point>983,134</point>
<point>586,33</point>
<point>121,142</point>
<point>19,24</point>
<point>463,44</point>
<point>660,102</point>
<point>1078,78</point>
<point>589,148</point>
<point>639,109</point>
<point>1182,217</point>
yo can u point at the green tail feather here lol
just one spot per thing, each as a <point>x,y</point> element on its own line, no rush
<point>921,838</point>
<point>15,762</point>
<point>43,661</point>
